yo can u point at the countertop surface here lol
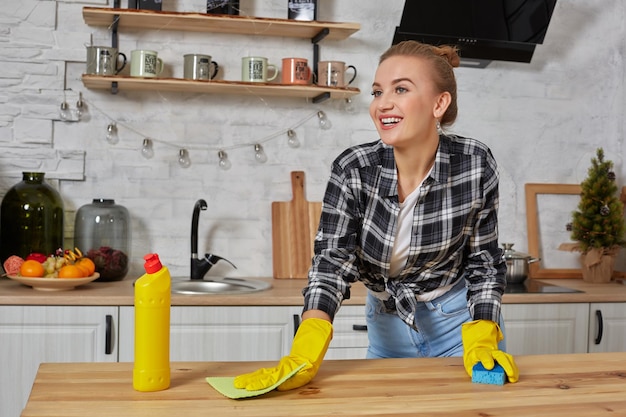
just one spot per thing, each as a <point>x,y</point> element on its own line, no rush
<point>284,292</point>
<point>571,385</point>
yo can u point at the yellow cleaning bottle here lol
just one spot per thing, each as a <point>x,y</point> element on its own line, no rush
<point>152,327</point>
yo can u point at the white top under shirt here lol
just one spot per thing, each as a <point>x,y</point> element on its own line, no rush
<point>400,252</point>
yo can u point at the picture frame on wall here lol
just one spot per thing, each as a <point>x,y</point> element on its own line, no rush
<point>560,201</point>
<point>549,208</point>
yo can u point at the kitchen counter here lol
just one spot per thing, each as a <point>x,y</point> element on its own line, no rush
<point>284,292</point>
<point>569,385</point>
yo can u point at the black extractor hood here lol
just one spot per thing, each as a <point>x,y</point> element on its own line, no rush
<point>483,30</point>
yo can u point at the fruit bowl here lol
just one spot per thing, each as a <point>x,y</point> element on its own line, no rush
<point>54,284</point>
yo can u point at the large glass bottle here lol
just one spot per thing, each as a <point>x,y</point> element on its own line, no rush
<point>102,233</point>
<point>31,218</point>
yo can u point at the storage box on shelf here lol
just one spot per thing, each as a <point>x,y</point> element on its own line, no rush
<point>198,22</point>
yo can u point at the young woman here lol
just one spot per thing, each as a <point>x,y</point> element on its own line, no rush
<point>413,216</point>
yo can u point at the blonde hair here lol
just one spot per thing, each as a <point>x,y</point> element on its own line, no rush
<point>442,59</point>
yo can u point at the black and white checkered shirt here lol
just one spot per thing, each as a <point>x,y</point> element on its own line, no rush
<point>454,233</point>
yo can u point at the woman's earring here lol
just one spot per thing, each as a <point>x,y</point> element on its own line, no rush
<point>439,130</point>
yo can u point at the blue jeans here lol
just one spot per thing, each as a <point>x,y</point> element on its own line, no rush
<point>438,321</point>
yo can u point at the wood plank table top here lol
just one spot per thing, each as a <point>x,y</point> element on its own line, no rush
<point>569,385</point>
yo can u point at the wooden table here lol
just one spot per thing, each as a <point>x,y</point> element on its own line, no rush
<point>550,385</point>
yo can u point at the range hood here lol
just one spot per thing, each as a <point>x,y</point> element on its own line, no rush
<point>483,30</point>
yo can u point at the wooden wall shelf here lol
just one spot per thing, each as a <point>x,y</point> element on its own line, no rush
<point>215,87</point>
<point>200,22</point>
<point>117,18</point>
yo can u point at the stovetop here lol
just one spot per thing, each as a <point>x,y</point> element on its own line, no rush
<point>535,287</point>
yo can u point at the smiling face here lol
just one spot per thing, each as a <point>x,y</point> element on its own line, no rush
<point>405,105</point>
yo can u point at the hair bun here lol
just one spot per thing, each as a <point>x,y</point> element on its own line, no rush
<point>450,53</point>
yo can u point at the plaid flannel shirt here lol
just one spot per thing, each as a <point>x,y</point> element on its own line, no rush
<point>454,234</point>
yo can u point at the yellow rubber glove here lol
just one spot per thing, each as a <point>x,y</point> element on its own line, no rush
<point>480,344</point>
<point>309,346</point>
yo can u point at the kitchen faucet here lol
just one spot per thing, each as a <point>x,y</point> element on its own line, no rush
<point>199,267</point>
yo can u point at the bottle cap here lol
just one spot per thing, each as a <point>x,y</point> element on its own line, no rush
<point>152,264</point>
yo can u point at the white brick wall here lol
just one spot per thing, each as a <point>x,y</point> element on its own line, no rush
<point>542,120</point>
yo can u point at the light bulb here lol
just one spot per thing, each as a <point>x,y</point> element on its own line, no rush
<point>348,106</point>
<point>65,114</point>
<point>112,136</point>
<point>183,158</point>
<point>224,162</point>
<point>323,119</point>
<point>146,149</point>
<point>259,154</point>
<point>82,112</point>
<point>293,141</point>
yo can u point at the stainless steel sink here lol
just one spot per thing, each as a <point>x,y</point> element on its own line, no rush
<point>219,286</point>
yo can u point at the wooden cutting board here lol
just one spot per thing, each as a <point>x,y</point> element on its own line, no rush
<point>294,224</point>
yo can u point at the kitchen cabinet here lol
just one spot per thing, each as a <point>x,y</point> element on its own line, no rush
<point>607,327</point>
<point>530,329</point>
<point>208,333</point>
<point>533,329</point>
<point>30,335</point>
<point>199,22</point>
<point>349,334</point>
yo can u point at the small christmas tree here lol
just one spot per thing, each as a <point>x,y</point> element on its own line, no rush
<point>599,221</point>
<point>598,225</point>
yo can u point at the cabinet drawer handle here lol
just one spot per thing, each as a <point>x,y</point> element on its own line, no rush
<point>359,327</point>
<point>108,338</point>
<point>600,327</point>
<point>296,324</point>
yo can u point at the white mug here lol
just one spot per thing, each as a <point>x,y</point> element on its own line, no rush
<point>254,69</point>
<point>144,63</point>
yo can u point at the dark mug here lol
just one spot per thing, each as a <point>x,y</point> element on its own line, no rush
<point>104,60</point>
<point>332,73</point>
<point>199,67</point>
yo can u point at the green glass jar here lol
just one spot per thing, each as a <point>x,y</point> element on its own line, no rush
<point>31,218</point>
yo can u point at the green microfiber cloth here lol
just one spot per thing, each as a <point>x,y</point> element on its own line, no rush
<point>225,386</point>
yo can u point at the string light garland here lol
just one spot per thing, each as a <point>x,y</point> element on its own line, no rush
<point>146,149</point>
<point>224,162</point>
<point>81,113</point>
<point>183,158</point>
<point>293,141</point>
<point>112,136</point>
<point>259,154</point>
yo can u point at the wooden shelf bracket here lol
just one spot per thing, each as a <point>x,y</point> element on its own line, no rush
<point>115,38</point>
<point>316,57</point>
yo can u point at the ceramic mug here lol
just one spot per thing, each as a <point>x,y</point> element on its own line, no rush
<point>332,73</point>
<point>199,67</point>
<point>254,69</point>
<point>296,71</point>
<point>144,63</point>
<point>104,60</point>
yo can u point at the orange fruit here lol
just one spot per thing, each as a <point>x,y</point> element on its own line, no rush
<point>32,268</point>
<point>86,265</point>
<point>70,271</point>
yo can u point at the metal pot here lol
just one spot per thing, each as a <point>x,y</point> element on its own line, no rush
<point>516,264</point>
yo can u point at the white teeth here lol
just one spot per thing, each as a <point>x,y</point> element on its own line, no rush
<point>390,120</point>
